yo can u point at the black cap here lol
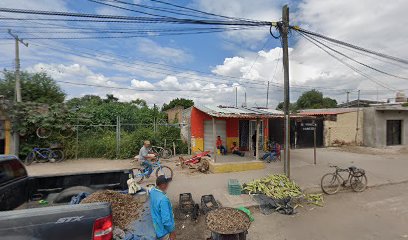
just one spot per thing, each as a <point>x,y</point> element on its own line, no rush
<point>162,179</point>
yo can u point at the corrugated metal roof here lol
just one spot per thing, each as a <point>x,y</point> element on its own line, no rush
<point>238,112</point>
<point>326,111</point>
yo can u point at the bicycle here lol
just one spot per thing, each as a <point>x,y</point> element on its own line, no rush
<point>330,182</point>
<point>44,155</point>
<point>139,174</point>
<point>162,152</point>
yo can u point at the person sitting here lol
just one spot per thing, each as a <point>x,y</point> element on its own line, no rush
<point>235,150</point>
<point>274,151</point>
<point>223,150</point>
<point>145,156</point>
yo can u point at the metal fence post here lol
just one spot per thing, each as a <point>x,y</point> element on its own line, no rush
<point>77,142</point>
<point>117,136</point>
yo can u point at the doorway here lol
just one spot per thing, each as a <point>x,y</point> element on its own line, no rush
<point>394,132</point>
<point>252,130</point>
<point>244,138</point>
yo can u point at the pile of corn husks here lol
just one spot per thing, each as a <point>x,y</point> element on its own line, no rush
<point>125,208</point>
<point>279,187</point>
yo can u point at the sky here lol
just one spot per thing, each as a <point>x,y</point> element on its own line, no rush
<point>209,68</point>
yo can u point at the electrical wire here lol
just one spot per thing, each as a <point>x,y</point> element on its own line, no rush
<point>349,45</point>
<point>346,64</point>
<point>356,61</point>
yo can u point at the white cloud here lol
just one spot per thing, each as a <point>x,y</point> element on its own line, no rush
<point>141,84</point>
<point>155,51</point>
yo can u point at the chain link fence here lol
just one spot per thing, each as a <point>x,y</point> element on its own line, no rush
<point>123,140</point>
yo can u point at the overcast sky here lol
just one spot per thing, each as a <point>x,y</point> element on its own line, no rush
<point>189,62</point>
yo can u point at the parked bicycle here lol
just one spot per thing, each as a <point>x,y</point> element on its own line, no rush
<point>162,152</point>
<point>139,174</point>
<point>44,155</point>
<point>331,182</point>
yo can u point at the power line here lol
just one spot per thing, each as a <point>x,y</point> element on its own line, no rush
<point>345,63</point>
<point>350,45</point>
<point>356,61</point>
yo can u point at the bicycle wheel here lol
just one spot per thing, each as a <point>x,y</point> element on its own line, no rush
<point>138,174</point>
<point>164,170</point>
<point>358,183</point>
<point>30,158</point>
<point>56,155</point>
<point>166,153</point>
<point>330,183</point>
<point>43,155</point>
<point>43,132</point>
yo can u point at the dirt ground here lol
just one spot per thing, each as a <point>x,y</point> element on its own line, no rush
<point>392,150</point>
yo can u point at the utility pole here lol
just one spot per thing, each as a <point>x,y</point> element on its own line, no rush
<point>267,95</point>
<point>347,101</point>
<point>284,29</point>
<point>358,115</point>
<point>16,136</point>
<point>245,102</point>
<point>236,96</point>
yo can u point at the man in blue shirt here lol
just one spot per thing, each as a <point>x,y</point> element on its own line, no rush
<point>161,210</point>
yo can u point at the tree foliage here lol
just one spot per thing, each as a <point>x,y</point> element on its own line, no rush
<point>35,87</point>
<point>312,99</point>
<point>186,103</point>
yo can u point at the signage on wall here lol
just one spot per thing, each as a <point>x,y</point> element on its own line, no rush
<point>307,126</point>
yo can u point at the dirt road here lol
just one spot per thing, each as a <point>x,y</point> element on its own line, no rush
<point>377,213</point>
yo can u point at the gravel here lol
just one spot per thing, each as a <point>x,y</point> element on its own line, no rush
<point>125,208</point>
<point>227,221</point>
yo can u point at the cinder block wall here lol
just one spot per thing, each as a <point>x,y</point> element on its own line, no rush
<point>344,129</point>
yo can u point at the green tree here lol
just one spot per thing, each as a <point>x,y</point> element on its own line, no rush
<point>292,107</point>
<point>186,103</point>
<point>314,99</point>
<point>35,87</point>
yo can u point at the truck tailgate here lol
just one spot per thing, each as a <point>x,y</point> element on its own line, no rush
<point>69,222</point>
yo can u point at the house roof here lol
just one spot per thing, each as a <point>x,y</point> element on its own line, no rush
<point>326,111</point>
<point>393,107</point>
<point>239,112</point>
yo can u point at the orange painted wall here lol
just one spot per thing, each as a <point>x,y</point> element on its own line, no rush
<point>197,123</point>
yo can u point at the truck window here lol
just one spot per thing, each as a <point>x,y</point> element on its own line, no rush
<point>10,170</point>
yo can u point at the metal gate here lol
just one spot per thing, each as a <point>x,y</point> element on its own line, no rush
<point>220,130</point>
<point>393,132</point>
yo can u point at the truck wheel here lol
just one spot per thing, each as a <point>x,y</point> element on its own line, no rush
<point>65,195</point>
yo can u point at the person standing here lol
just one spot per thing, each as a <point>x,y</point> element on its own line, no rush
<point>254,143</point>
<point>162,210</point>
<point>145,156</point>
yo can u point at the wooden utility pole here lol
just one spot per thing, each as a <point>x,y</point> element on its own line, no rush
<point>267,95</point>
<point>236,96</point>
<point>18,98</point>
<point>284,29</point>
<point>347,98</point>
<point>358,116</point>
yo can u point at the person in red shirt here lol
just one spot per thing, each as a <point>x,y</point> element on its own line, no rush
<point>235,150</point>
<point>223,150</point>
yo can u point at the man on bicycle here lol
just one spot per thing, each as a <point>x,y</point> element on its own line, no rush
<point>145,156</point>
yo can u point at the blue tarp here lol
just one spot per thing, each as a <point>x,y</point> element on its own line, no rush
<point>142,228</point>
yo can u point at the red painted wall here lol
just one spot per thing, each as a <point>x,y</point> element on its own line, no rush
<point>197,123</point>
<point>232,127</point>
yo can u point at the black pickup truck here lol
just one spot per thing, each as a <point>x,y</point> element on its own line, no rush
<point>37,207</point>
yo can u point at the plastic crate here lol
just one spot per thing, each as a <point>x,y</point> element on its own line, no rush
<point>234,187</point>
<point>208,203</point>
<point>186,203</point>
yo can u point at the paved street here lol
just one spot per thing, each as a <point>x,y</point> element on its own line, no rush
<point>377,213</point>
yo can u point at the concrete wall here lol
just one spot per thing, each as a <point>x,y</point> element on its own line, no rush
<point>175,114</point>
<point>344,129</point>
<point>375,126</point>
